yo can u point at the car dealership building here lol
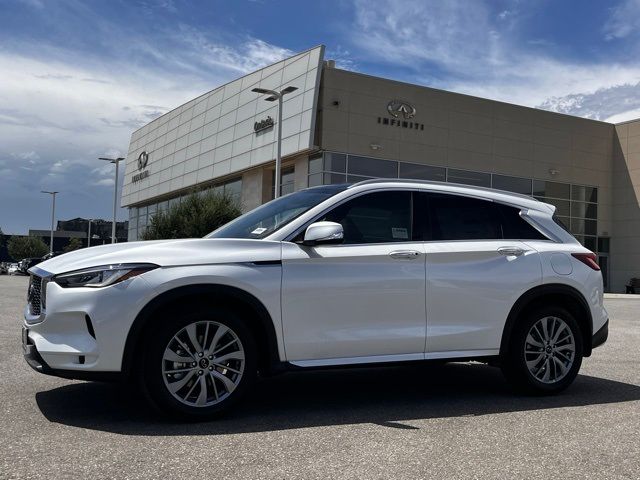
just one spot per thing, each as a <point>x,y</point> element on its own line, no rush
<point>340,126</point>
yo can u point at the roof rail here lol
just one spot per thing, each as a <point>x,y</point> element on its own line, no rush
<point>435,182</point>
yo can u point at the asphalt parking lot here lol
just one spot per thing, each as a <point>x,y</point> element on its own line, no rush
<point>453,421</point>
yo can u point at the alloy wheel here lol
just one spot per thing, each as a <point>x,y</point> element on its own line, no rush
<point>549,349</point>
<point>203,363</point>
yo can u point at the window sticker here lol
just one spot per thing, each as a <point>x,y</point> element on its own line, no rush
<point>259,231</point>
<point>400,233</point>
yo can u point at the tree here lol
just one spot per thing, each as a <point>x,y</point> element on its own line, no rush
<point>194,217</point>
<point>74,244</point>
<point>26,247</point>
<point>1,238</point>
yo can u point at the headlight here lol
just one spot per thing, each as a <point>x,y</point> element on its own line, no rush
<point>103,276</point>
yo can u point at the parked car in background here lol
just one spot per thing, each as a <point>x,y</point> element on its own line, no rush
<point>3,268</point>
<point>26,263</point>
<point>376,272</point>
<point>13,269</point>
<point>50,255</point>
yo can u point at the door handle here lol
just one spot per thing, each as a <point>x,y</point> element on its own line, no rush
<point>404,254</point>
<point>511,251</point>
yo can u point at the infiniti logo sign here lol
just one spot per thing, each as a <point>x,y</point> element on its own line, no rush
<point>143,159</point>
<point>401,113</point>
<point>397,108</point>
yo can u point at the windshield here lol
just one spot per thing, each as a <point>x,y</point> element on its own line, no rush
<point>268,218</point>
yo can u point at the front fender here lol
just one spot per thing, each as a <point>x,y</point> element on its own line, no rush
<point>257,284</point>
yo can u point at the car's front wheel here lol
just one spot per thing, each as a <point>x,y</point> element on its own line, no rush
<point>545,351</point>
<point>198,365</point>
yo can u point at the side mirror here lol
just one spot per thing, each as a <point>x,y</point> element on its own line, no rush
<point>323,233</point>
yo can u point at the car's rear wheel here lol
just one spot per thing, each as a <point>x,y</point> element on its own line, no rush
<point>545,351</point>
<point>198,365</point>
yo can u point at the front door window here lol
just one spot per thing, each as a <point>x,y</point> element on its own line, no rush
<point>381,217</point>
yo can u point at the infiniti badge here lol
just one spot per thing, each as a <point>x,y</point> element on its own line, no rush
<point>400,107</point>
<point>143,158</point>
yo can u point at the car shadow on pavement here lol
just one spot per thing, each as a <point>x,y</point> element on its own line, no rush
<point>385,396</point>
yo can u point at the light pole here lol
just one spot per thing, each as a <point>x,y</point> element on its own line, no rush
<point>275,95</point>
<point>53,214</point>
<point>89,234</point>
<point>115,195</point>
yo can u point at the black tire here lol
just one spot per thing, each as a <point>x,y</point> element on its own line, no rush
<point>514,362</point>
<point>151,376</point>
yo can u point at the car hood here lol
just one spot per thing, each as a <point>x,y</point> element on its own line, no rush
<point>166,253</point>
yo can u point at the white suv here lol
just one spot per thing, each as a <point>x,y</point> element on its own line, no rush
<point>381,271</point>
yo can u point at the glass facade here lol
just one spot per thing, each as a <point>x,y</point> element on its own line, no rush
<point>139,217</point>
<point>287,181</point>
<point>577,205</point>
<point>576,208</point>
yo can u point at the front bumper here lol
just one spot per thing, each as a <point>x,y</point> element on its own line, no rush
<point>31,355</point>
<point>83,330</point>
<point>601,335</point>
<point>37,363</point>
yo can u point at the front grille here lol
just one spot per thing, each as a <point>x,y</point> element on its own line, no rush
<point>43,293</point>
<point>33,295</point>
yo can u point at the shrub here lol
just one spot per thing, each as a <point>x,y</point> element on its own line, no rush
<point>26,247</point>
<point>74,244</point>
<point>196,215</point>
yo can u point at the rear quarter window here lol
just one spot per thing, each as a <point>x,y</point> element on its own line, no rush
<point>561,224</point>
<point>515,227</point>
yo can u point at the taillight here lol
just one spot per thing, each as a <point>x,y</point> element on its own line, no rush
<point>589,259</point>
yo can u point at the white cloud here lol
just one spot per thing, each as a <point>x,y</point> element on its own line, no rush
<point>613,104</point>
<point>445,33</point>
<point>532,81</point>
<point>465,47</point>
<point>49,106</point>
<point>61,110</point>
<point>342,57</point>
<point>104,182</point>
<point>624,20</point>
<point>624,116</point>
<point>260,53</point>
<point>63,118</point>
<point>31,156</point>
<point>104,169</point>
<point>196,51</point>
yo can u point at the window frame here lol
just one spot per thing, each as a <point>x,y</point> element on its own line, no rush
<point>502,208</point>
<point>403,199</point>
<point>430,220</point>
<point>540,188</point>
<point>427,230</point>
<point>297,236</point>
<point>419,233</point>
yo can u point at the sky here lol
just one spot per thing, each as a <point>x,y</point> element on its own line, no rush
<point>78,77</point>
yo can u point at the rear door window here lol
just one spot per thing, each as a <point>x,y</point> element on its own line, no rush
<point>454,217</point>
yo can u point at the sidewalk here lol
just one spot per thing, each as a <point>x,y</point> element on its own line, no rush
<point>628,296</point>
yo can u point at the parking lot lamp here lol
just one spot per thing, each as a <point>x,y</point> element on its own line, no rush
<point>115,195</point>
<point>53,214</point>
<point>275,95</point>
